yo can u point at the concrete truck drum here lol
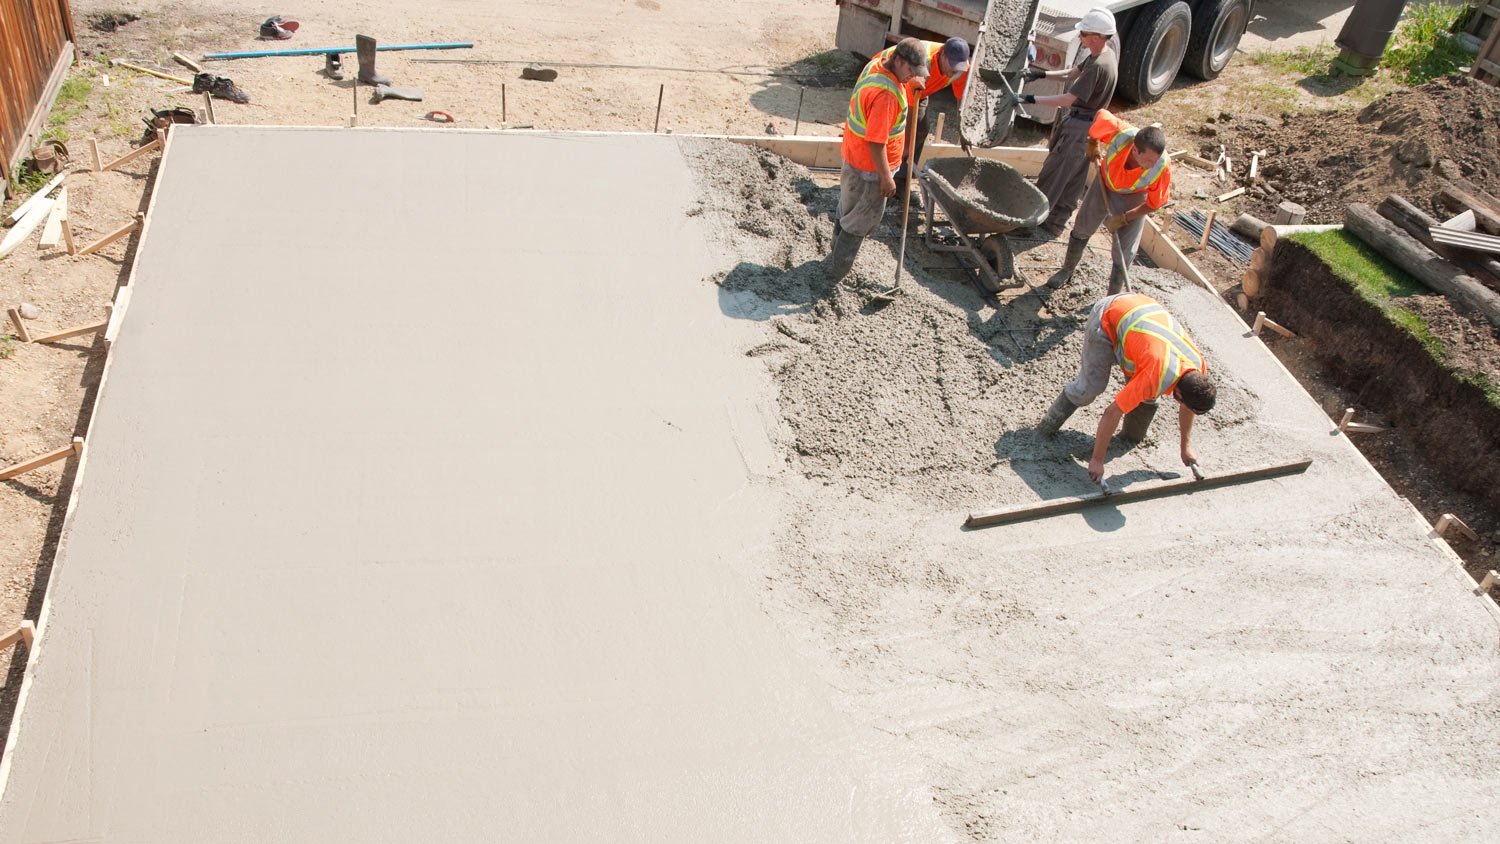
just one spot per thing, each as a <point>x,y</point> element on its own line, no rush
<point>988,108</point>
<point>1157,358</point>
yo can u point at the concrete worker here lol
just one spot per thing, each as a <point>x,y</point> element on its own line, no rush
<point>1090,87</point>
<point>1157,357</point>
<point>947,64</point>
<point>1135,179</point>
<point>874,141</point>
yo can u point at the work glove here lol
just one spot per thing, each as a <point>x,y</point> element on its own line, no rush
<point>1035,73</point>
<point>1029,99</point>
<point>964,144</point>
<point>1115,222</point>
<point>1093,148</point>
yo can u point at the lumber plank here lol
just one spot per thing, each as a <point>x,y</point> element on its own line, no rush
<point>187,62</point>
<point>1144,492</point>
<point>1411,255</point>
<point>25,632</point>
<point>42,460</point>
<point>29,223</point>
<point>15,319</point>
<point>52,231</point>
<point>36,198</point>
<point>133,154</point>
<point>149,72</point>
<point>71,332</point>
<point>111,237</point>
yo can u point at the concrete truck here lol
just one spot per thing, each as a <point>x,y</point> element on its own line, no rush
<point>1158,38</point>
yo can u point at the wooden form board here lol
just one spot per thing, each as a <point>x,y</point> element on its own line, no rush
<point>29,223</point>
<point>52,231</point>
<point>819,151</point>
<point>1145,492</point>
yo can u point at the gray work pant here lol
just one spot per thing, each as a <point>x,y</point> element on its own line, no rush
<point>860,204</point>
<point>1098,357</point>
<point>1101,202</point>
<point>1065,173</point>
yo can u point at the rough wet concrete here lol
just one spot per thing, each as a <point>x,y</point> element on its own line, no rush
<point>1287,660</point>
<point>420,505</point>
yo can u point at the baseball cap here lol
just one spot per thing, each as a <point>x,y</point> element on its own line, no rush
<point>910,51</point>
<point>1099,21</point>
<point>956,51</point>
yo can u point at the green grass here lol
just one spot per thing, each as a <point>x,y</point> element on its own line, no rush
<point>7,345</point>
<point>1380,283</point>
<point>1308,61</point>
<point>1423,49</point>
<point>75,90</point>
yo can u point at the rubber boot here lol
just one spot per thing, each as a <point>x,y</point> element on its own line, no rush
<point>365,45</point>
<point>1062,407</point>
<point>1076,246</point>
<point>841,257</point>
<point>1117,279</point>
<point>1138,421</point>
<point>333,66</point>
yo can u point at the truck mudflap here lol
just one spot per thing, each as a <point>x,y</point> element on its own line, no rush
<point>988,109</point>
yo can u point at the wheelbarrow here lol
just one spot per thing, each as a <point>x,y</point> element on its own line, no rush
<point>982,200</point>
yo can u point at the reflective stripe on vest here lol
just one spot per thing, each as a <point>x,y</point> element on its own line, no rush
<point>875,76</point>
<point>1179,357</point>
<point>1116,147</point>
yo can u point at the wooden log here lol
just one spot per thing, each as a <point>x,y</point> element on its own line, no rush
<point>42,460</point>
<point>111,237</point>
<point>133,155</point>
<point>1243,301</point>
<point>1248,225</point>
<point>15,319</point>
<point>1409,254</point>
<point>1419,225</point>
<point>1144,492</point>
<point>25,632</point>
<point>1460,198</point>
<point>1289,214</point>
<point>1251,282</point>
<point>71,332</point>
<point>1260,260</point>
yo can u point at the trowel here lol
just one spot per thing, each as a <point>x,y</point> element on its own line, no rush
<point>387,92</point>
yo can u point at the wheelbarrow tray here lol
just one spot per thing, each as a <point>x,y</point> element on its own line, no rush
<point>984,197</point>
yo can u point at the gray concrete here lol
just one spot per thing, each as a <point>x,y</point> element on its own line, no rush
<point>418,506</point>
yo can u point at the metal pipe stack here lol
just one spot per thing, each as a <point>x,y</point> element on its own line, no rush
<point>1221,238</point>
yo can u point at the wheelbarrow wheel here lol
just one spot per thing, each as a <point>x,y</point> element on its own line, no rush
<point>999,258</point>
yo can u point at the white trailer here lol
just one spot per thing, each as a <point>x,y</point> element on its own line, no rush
<point>1158,37</point>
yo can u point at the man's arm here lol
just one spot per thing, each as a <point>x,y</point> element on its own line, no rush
<point>1185,419</point>
<point>1108,423</point>
<point>883,167</point>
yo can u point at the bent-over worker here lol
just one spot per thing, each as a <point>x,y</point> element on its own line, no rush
<point>874,141</point>
<point>1135,179</point>
<point>1157,357</point>
<point>947,64</point>
<point>1090,87</point>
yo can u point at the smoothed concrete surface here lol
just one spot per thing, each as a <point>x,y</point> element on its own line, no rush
<point>417,506</point>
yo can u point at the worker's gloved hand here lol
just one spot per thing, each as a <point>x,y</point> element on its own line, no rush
<point>887,186</point>
<point>1115,222</point>
<point>1035,73</point>
<point>1093,148</point>
<point>964,144</point>
<point>1029,99</point>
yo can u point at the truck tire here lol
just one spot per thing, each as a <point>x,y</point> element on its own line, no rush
<point>1154,49</point>
<point>1217,28</point>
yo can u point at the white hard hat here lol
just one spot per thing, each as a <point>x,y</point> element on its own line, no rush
<point>1101,21</point>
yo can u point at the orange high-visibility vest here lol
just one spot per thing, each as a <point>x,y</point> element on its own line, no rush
<point>1178,354</point>
<point>875,76</point>
<point>1118,146</point>
<point>936,81</point>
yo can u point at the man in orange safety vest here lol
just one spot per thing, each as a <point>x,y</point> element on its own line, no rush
<point>948,64</point>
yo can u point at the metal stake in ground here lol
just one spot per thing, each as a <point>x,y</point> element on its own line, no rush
<point>797,125</point>
<point>911,155</point>
<point>660,93</point>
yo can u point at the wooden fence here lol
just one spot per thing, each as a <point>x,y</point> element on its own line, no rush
<point>36,49</point>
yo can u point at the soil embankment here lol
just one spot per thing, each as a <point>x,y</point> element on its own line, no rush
<point>1455,426</point>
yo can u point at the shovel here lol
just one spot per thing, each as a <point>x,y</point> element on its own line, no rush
<point>911,175</point>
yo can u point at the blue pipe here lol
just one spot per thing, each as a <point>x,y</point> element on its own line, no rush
<point>323,51</point>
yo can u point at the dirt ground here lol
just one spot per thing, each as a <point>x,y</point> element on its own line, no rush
<point>767,65</point>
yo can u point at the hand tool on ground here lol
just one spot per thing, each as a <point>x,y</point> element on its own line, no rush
<point>1197,473</point>
<point>388,92</point>
<point>911,167</point>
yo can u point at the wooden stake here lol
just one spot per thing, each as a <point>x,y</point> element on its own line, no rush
<point>208,107</point>
<point>111,237</point>
<point>502,103</point>
<point>1142,493</point>
<point>42,460</point>
<point>187,62</point>
<point>937,134</point>
<point>1254,165</point>
<point>94,153</point>
<point>1491,577</point>
<point>1263,321</point>
<point>71,332</point>
<point>1348,417</point>
<point>15,319</point>
<point>797,125</point>
<point>1243,301</point>
<point>1208,228</point>
<point>67,229</point>
<point>660,93</point>
<point>26,632</point>
<point>1260,322</point>
<point>1448,520</point>
<point>133,155</point>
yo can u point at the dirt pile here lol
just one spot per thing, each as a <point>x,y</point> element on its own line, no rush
<point>932,396</point>
<point>1406,142</point>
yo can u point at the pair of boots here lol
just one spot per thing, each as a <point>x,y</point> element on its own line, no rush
<point>364,46</point>
<point>841,257</point>
<point>1076,247</point>
<point>1137,422</point>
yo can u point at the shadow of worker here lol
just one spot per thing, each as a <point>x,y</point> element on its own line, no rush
<point>758,292</point>
<point>1056,467</point>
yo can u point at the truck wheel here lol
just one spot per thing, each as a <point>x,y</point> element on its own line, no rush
<point>1154,50</point>
<point>1217,28</point>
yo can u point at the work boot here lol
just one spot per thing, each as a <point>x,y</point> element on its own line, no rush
<point>841,257</point>
<point>1138,421</point>
<point>1118,279</point>
<point>333,66</point>
<point>365,46</point>
<point>1056,415</point>
<point>1076,245</point>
